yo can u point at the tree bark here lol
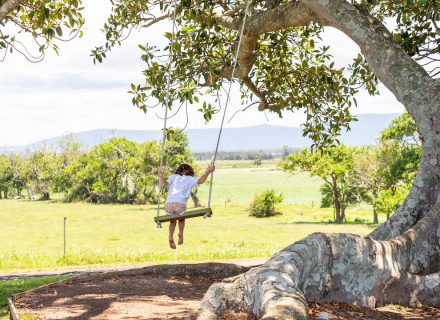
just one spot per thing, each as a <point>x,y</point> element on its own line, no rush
<point>400,261</point>
<point>7,7</point>
<point>337,205</point>
<point>195,198</point>
<point>45,196</point>
<point>412,86</point>
<point>341,267</point>
<point>375,216</point>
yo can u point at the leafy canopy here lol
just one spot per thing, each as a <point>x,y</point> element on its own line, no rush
<point>30,26</point>
<point>288,70</point>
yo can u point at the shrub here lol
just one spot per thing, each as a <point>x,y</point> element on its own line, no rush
<point>264,204</point>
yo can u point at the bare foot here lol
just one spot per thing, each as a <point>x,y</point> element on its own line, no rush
<point>180,242</point>
<point>172,244</point>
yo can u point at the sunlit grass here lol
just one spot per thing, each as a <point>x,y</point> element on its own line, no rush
<point>31,232</point>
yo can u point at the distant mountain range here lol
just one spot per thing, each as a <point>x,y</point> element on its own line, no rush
<point>363,132</point>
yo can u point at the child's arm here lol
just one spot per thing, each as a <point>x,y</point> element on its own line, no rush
<point>162,181</point>
<point>206,174</point>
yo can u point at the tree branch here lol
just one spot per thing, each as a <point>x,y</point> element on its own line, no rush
<point>7,7</point>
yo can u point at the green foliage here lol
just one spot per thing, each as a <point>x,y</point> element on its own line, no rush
<point>291,69</point>
<point>416,22</point>
<point>264,204</point>
<point>351,197</point>
<point>401,140</point>
<point>402,130</point>
<point>118,170</point>
<point>44,21</point>
<point>388,174</point>
<point>114,171</point>
<point>389,200</point>
<point>336,168</point>
<point>43,164</point>
<point>258,161</point>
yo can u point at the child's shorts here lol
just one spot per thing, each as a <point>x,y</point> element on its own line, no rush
<point>174,208</point>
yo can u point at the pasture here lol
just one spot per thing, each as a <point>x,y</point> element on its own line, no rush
<point>31,232</point>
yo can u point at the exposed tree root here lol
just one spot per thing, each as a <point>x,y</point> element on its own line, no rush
<point>337,267</point>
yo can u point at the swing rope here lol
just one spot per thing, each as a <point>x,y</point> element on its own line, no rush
<point>164,130</point>
<point>227,100</point>
<point>234,67</point>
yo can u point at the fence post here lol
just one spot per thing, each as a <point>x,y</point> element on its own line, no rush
<point>65,222</point>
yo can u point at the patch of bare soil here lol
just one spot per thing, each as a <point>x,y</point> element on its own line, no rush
<point>132,297</point>
<point>168,295</point>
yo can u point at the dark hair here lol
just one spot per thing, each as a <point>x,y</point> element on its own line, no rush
<point>185,170</point>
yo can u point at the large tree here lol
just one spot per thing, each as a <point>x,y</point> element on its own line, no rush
<point>282,67</point>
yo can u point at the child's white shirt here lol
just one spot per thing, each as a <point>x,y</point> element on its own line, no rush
<point>180,188</point>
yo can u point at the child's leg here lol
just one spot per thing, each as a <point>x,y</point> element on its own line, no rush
<point>171,234</point>
<point>181,228</point>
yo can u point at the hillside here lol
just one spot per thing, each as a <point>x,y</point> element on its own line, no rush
<point>363,132</point>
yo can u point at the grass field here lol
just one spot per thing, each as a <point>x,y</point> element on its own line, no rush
<point>238,181</point>
<point>31,232</point>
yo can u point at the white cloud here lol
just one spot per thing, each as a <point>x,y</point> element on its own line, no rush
<point>68,93</point>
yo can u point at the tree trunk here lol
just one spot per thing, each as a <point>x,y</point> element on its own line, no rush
<point>338,207</point>
<point>337,211</point>
<point>341,267</point>
<point>400,261</point>
<point>343,218</point>
<point>375,216</point>
<point>195,198</point>
<point>28,192</point>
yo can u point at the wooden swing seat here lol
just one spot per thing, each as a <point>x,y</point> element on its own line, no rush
<point>191,213</point>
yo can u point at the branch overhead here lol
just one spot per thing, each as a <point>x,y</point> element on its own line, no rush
<point>7,7</point>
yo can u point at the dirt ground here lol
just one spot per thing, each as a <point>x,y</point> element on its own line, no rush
<point>167,295</point>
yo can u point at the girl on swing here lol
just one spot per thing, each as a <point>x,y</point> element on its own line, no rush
<point>180,185</point>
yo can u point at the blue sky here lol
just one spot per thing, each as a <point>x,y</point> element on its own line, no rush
<point>67,93</point>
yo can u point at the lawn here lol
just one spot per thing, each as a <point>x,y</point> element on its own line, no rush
<point>237,183</point>
<point>31,232</point>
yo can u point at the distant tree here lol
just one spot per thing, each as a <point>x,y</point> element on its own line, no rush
<point>402,130</point>
<point>42,167</point>
<point>177,149</point>
<point>104,174</point>
<point>257,161</point>
<point>5,177</point>
<point>370,167</point>
<point>389,200</point>
<point>69,150</point>
<point>285,152</point>
<point>21,171</point>
<point>335,167</point>
<point>120,170</point>
<point>402,142</point>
